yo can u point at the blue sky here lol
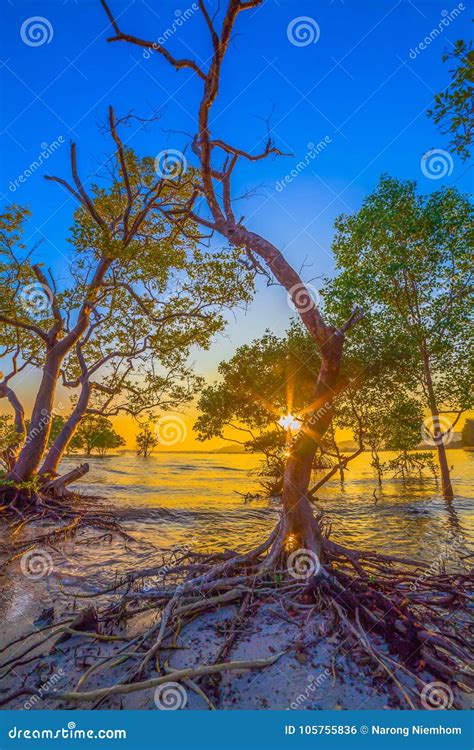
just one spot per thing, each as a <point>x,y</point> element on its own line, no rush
<point>357,85</point>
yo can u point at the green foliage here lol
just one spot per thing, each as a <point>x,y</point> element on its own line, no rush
<point>454,106</point>
<point>8,438</point>
<point>161,294</point>
<point>468,433</point>
<point>97,433</point>
<point>406,260</point>
<point>263,381</point>
<point>22,297</point>
<point>56,425</point>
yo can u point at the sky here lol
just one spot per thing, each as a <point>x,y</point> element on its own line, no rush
<point>354,77</point>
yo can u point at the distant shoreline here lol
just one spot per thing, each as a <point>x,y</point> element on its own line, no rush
<point>220,452</point>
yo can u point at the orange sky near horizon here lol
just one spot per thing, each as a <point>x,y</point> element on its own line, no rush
<point>175,428</point>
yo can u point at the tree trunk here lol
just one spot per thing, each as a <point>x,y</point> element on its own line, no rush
<point>57,450</point>
<point>437,431</point>
<point>40,425</point>
<point>341,464</point>
<point>301,529</point>
<point>448,491</point>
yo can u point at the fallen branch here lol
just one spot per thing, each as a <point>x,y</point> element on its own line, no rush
<point>175,676</point>
<point>58,486</point>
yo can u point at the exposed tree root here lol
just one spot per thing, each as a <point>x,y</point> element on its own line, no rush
<point>30,512</point>
<point>390,610</point>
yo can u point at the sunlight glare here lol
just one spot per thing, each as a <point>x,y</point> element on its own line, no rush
<point>289,422</point>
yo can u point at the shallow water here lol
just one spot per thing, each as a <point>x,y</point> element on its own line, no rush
<point>197,501</point>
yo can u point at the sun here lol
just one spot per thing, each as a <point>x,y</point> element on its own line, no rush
<point>289,422</point>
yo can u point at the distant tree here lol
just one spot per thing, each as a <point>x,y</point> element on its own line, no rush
<point>106,440</point>
<point>407,259</point>
<point>57,422</point>
<point>97,433</point>
<point>146,439</point>
<point>468,433</point>
<point>454,107</point>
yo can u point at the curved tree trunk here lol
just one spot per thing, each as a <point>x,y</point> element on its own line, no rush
<point>57,450</point>
<point>36,441</point>
<point>299,522</point>
<point>40,425</point>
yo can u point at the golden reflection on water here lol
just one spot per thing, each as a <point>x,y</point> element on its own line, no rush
<point>197,501</point>
<point>170,497</point>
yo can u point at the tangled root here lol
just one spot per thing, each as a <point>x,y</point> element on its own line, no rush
<point>371,598</point>
<point>28,512</point>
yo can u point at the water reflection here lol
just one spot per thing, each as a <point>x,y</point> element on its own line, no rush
<point>196,500</point>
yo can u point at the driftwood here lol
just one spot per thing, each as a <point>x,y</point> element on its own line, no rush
<point>58,486</point>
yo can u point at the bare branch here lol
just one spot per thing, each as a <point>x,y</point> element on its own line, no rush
<point>120,37</point>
